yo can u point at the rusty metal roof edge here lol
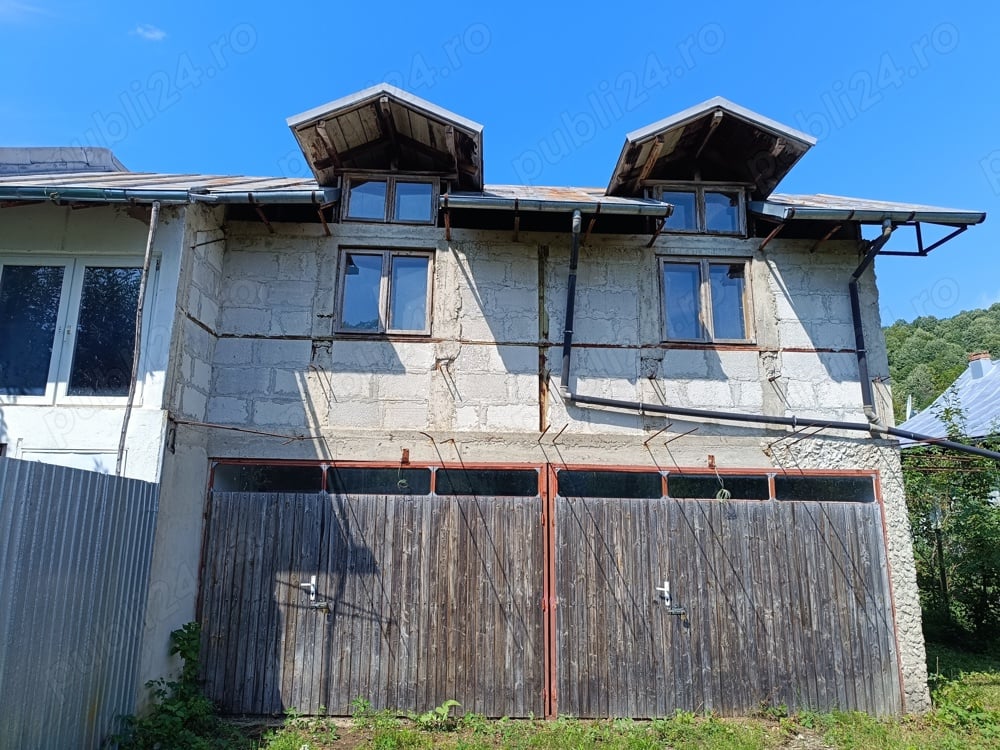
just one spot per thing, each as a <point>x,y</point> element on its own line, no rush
<point>360,97</point>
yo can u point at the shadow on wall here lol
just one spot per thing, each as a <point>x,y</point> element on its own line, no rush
<point>813,312</point>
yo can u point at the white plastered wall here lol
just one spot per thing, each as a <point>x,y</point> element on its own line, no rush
<point>63,432</point>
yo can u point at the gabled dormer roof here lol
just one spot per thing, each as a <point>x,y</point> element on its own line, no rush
<point>716,141</point>
<point>387,129</point>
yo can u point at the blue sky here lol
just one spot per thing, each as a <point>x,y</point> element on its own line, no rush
<point>904,102</point>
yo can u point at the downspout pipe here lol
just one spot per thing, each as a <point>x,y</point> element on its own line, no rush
<point>154,221</point>
<point>794,422</point>
<point>860,348</point>
<point>574,260</point>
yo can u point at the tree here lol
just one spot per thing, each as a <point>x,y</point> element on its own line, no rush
<point>956,529</point>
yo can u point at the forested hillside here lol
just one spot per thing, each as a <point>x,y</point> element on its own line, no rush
<point>926,356</point>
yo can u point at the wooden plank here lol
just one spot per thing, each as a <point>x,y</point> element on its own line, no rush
<point>790,606</point>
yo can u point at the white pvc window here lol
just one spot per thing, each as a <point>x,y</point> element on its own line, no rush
<point>385,291</point>
<point>705,299</point>
<point>67,329</point>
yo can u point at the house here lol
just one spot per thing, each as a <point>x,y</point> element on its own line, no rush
<point>593,451</point>
<point>975,393</point>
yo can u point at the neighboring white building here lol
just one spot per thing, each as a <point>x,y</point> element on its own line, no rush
<point>398,315</point>
<point>975,393</point>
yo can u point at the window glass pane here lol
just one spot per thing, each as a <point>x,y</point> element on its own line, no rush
<point>408,293</point>
<point>29,304</point>
<point>728,284</point>
<point>722,212</point>
<point>413,201</point>
<point>105,332</point>
<point>708,486</point>
<point>342,480</point>
<point>837,489</point>
<point>366,200</point>
<point>487,482</point>
<point>362,281</point>
<point>680,300</point>
<point>622,484</point>
<point>266,478</point>
<point>685,215</point>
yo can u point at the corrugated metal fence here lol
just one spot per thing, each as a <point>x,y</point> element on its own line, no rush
<point>75,552</point>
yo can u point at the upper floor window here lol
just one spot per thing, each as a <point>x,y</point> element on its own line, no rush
<point>67,328</point>
<point>705,299</point>
<point>703,208</point>
<point>385,291</point>
<point>390,199</point>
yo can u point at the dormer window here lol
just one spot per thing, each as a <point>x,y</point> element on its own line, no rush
<point>703,208</point>
<point>401,200</point>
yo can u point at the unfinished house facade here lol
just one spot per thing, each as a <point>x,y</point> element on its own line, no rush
<point>601,452</point>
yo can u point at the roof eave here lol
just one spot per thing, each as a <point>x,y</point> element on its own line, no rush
<point>372,93</point>
<point>717,102</point>
<point>783,212</point>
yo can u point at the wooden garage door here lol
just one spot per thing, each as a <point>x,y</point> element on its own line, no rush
<point>772,603</point>
<point>417,600</point>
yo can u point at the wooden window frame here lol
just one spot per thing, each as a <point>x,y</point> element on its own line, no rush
<point>655,190</point>
<point>385,290</point>
<point>389,209</point>
<point>705,318</point>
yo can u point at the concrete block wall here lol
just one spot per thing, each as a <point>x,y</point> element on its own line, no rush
<point>197,308</point>
<point>478,370</point>
<point>278,365</point>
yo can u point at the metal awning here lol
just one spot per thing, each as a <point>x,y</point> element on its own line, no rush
<point>384,128</point>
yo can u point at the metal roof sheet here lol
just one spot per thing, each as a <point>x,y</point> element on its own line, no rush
<point>156,180</point>
<point>824,207</point>
<point>145,187</point>
<point>979,398</point>
<point>22,160</point>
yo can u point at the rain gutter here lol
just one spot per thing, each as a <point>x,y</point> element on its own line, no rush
<point>553,205</point>
<point>324,196</point>
<point>167,197</point>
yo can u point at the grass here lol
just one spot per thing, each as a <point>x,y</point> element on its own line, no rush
<point>965,686</point>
